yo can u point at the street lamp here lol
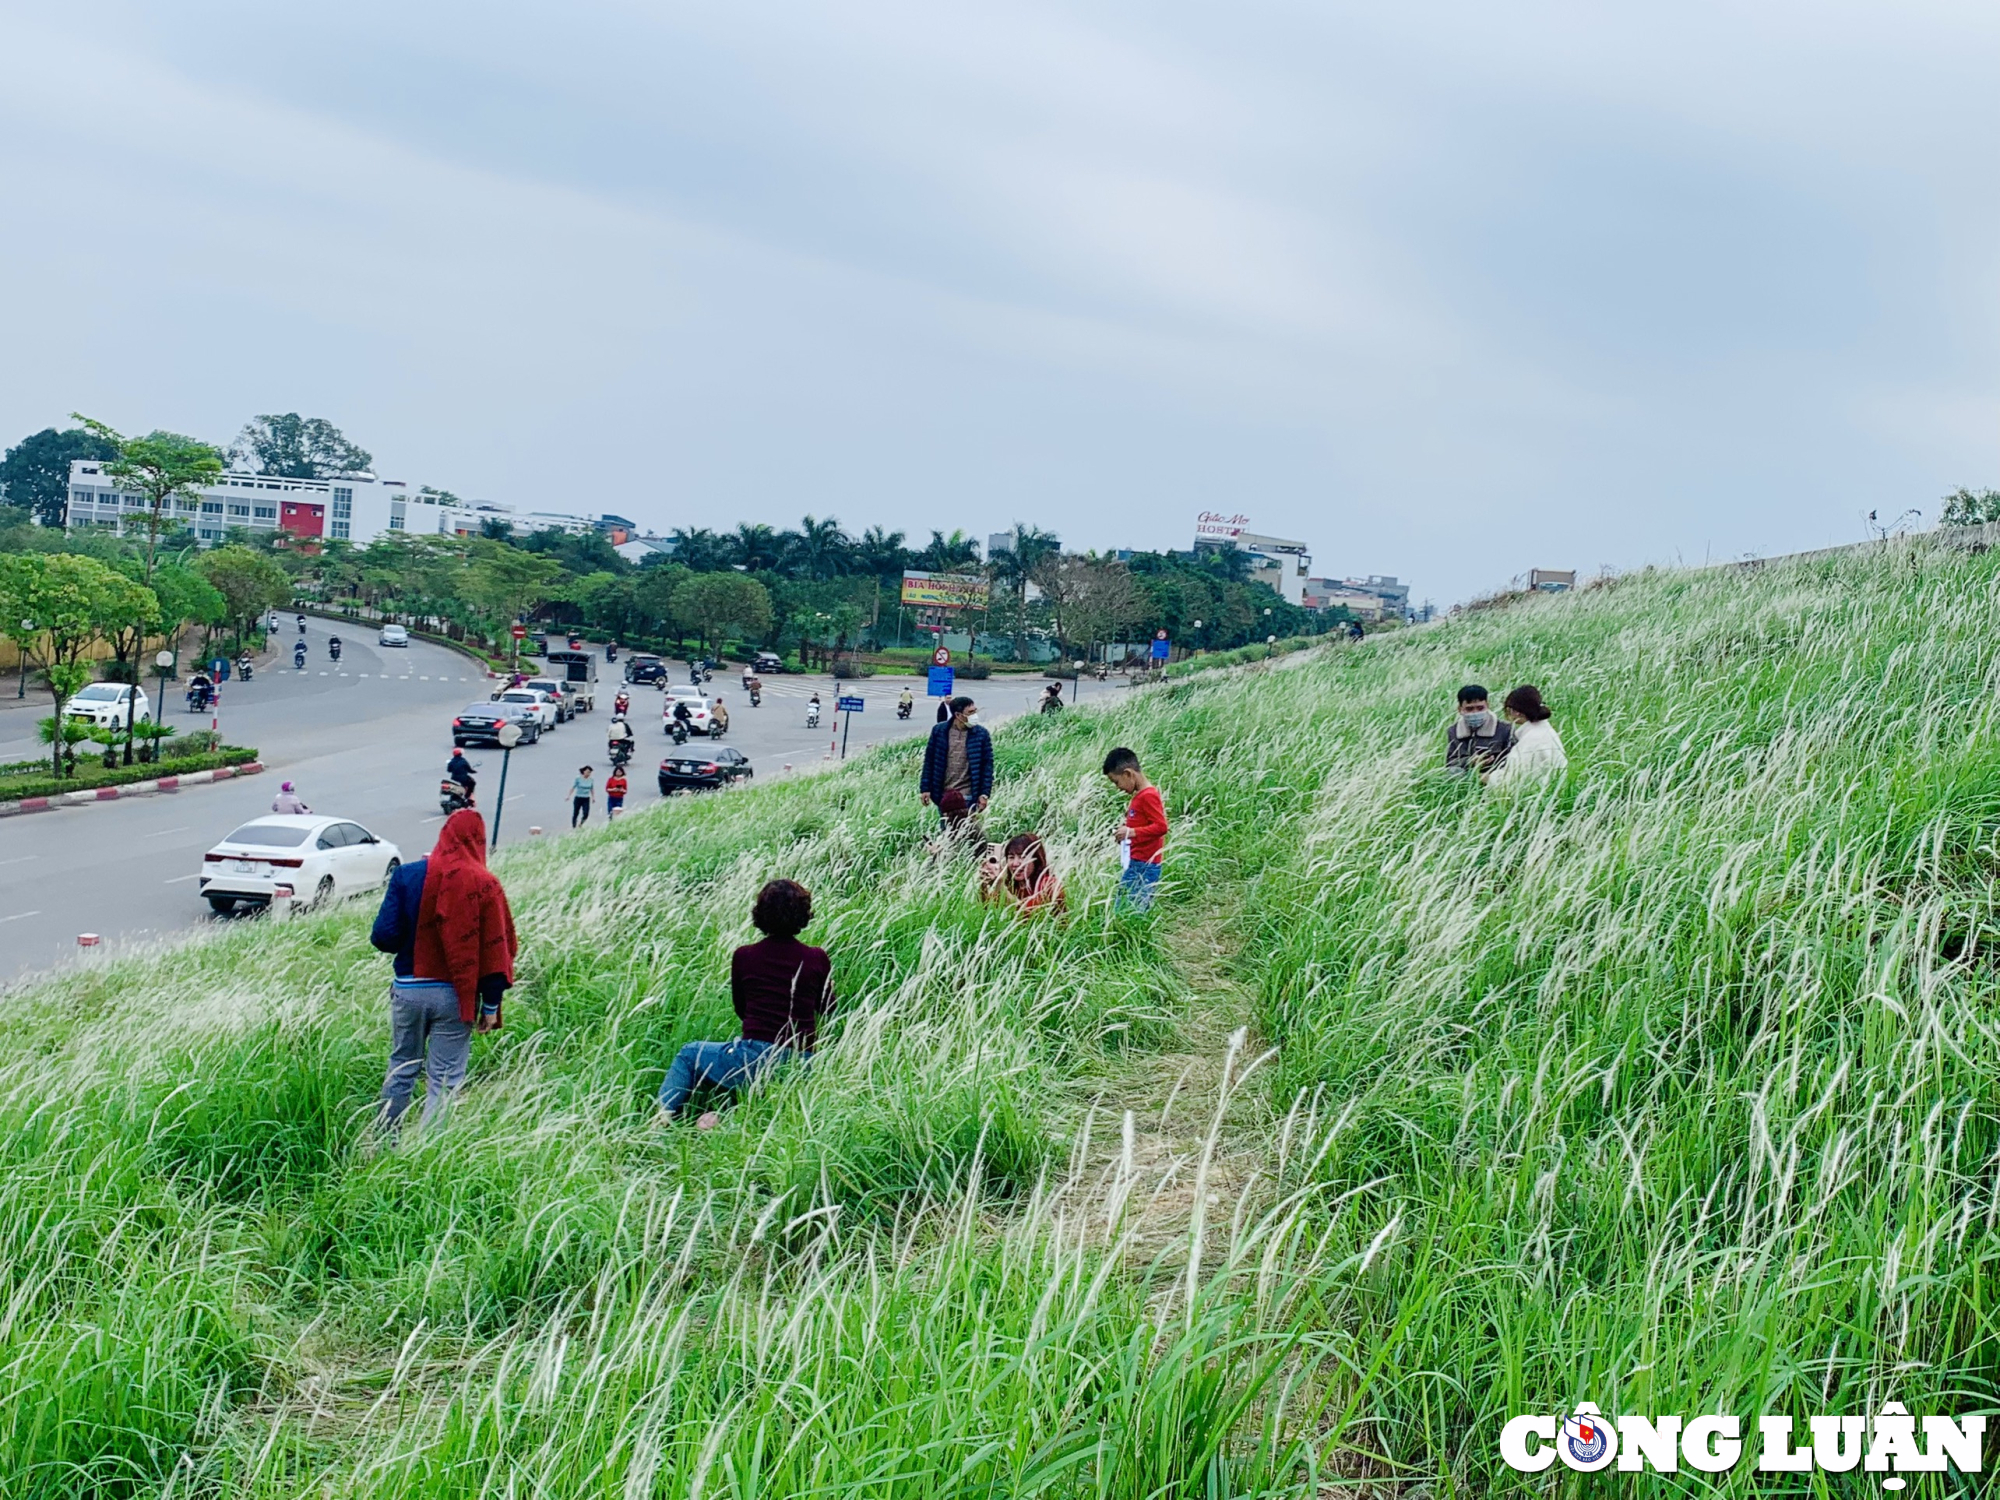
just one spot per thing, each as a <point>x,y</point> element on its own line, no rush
<point>1197,631</point>
<point>163,663</point>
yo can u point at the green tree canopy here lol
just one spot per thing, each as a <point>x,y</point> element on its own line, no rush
<point>713,604</point>
<point>35,471</point>
<point>289,446</point>
<point>249,582</point>
<point>161,467</point>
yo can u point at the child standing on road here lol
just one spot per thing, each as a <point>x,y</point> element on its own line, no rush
<point>1144,839</point>
<point>580,792</point>
<point>614,793</point>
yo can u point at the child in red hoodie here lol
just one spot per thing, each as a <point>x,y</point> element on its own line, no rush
<point>1145,833</point>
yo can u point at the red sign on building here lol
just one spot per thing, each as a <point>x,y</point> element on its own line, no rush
<point>301,518</point>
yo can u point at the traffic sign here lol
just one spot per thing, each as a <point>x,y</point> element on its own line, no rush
<point>941,657</point>
<point>846,705</point>
<point>941,678</point>
<point>520,632</point>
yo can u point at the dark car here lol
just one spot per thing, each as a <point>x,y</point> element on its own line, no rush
<point>479,724</point>
<point>704,771</point>
<point>645,667</point>
<point>768,664</point>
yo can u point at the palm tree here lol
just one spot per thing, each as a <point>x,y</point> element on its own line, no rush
<point>1013,568</point>
<point>943,553</point>
<point>700,549</point>
<point>820,549</point>
<point>881,553</point>
<point>757,547</point>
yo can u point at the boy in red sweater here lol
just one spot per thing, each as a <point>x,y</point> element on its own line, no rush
<point>1145,834</point>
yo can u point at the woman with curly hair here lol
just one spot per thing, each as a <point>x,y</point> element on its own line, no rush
<point>781,988</point>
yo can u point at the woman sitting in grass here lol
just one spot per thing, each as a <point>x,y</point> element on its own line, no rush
<point>1022,874</point>
<point>781,988</point>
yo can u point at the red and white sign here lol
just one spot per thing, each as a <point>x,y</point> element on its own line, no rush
<point>941,657</point>
<point>520,632</point>
<point>1214,526</point>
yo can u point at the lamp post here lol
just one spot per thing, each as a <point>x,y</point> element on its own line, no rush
<point>1198,635</point>
<point>163,664</point>
<point>509,735</point>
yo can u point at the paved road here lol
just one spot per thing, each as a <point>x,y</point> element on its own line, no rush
<point>368,739</point>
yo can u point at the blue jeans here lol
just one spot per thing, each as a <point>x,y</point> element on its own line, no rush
<point>1136,886</point>
<point>723,1065</point>
<point>426,1036</point>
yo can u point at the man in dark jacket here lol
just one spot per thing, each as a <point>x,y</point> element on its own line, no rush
<point>959,759</point>
<point>1478,739</point>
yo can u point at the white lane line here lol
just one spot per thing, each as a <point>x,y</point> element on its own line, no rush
<point>179,878</point>
<point>19,859</point>
<point>19,915</point>
<point>322,674</point>
<point>164,832</point>
<point>426,677</point>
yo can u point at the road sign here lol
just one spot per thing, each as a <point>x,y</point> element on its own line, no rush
<point>520,632</point>
<point>848,705</point>
<point>941,678</point>
<point>941,657</point>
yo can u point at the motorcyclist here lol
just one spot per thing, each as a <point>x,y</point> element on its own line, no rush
<point>621,705</point>
<point>302,624</point>
<point>611,651</point>
<point>718,718</point>
<point>682,716</point>
<point>243,666</point>
<point>1052,699</point>
<point>200,687</point>
<point>289,801</point>
<point>619,741</point>
<point>299,656</point>
<point>904,704</point>
<point>459,769</point>
<point>812,712</point>
<point>755,688</point>
<point>333,647</point>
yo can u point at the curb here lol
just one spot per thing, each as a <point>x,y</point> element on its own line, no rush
<point>130,789</point>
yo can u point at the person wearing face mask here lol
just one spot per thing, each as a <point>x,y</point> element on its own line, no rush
<point>1478,739</point>
<point>959,759</point>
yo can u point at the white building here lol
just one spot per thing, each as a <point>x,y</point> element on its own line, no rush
<point>356,510</point>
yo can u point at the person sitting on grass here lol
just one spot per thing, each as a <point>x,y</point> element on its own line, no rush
<point>1021,873</point>
<point>781,988</point>
<point>1537,750</point>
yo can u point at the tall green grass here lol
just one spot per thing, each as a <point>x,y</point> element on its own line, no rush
<point>1667,1086</point>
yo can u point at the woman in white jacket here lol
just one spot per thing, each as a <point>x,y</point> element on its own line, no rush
<point>1537,750</point>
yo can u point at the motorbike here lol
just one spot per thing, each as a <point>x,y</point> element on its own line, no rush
<point>1051,704</point>
<point>611,652</point>
<point>812,716</point>
<point>678,730</point>
<point>619,753</point>
<point>621,705</point>
<point>302,624</point>
<point>198,699</point>
<point>756,698</point>
<point>243,669</point>
<point>903,707</point>
<point>333,649</point>
<point>452,797</point>
<point>299,658</point>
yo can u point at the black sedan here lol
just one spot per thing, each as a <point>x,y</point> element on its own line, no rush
<point>479,724</point>
<point>704,771</point>
<point>645,668</point>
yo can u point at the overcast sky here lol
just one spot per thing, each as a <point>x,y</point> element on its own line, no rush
<point>1448,291</point>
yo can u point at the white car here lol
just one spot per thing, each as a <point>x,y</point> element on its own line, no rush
<point>565,707</point>
<point>294,860</point>
<point>546,712</point>
<point>103,705</point>
<point>393,635</point>
<point>697,706</point>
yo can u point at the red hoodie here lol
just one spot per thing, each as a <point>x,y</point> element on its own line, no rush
<point>465,931</point>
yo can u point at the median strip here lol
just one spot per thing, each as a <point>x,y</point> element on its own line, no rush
<point>130,789</point>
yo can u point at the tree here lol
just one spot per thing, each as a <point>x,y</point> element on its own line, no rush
<point>505,583</point>
<point>250,583</point>
<point>35,472</point>
<point>295,447</point>
<point>701,549</point>
<point>944,553</point>
<point>1013,568</point>
<point>818,550</point>
<point>711,604</point>
<point>161,467</point>
<point>1962,507</point>
<point>72,602</point>
<point>756,547</point>
<point>1092,598</point>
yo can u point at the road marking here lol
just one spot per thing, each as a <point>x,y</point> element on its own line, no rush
<point>19,915</point>
<point>164,832</point>
<point>322,674</point>
<point>179,878</point>
<point>426,678</point>
<point>19,859</point>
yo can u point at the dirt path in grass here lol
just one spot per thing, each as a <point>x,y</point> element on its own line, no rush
<point>1178,1130</point>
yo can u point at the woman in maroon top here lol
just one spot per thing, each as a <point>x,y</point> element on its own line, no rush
<point>781,987</point>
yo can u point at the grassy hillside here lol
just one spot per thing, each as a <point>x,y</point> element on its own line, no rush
<point>1670,1086</point>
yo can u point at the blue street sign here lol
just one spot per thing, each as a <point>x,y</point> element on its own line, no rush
<point>1160,645</point>
<point>941,679</point>
<point>846,705</point>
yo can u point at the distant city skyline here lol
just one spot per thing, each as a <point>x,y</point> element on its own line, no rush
<point>1448,292</point>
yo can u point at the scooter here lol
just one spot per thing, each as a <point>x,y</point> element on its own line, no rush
<point>299,656</point>
<point>333,649</point>
<point>678,731</point>
<point>812,716</point>
<point>903,707</point>
<point>243,669</point>
<point>619,752</point>
<point>302,624</point>
<point>756,699</point>
<point>452,797</point>
<point>198,699</point>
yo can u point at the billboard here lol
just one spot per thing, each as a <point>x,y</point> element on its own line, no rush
<point>1214,526</point>
<point>945,590</point>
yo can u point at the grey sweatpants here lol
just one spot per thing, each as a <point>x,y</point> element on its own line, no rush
<point>426,1036</point>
